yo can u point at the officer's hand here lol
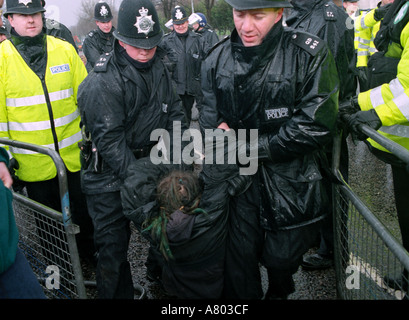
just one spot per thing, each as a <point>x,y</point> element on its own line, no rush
<point>380,13</point>
<point>18,185</point>
<point>345,110</point>
<point>239,184</point>
<point>369,118</point>
<point>349,106</point>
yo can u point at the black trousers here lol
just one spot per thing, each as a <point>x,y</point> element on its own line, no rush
<point>187,102</point>
<point>249,245</point>
<point>112,235</point>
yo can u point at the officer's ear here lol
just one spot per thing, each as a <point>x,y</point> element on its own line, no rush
<point>123,45</point>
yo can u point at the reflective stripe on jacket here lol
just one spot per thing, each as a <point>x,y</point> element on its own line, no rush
<point>41,111</point>
<point>391,101</point>
<point>367,27</point>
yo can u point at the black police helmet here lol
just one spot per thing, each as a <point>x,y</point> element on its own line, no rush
<point>179,15</point>
<point>138,24</point>
<point>258,4</point>
<point>102,12</point>
<point>23,7</point>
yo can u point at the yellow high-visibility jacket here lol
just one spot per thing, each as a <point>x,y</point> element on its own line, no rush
<point>30,108</point>
<point>367,27</point>
<point>391,100</point>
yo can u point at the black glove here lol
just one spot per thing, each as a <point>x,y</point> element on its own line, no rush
<point>369,118</point>
<point>345,110</point>
<point>18,185</point>
<point>349,106</point>
<point>239,184</point>
<point>381,12</point>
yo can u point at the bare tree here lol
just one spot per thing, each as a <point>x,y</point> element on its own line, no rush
<point>209,4</point>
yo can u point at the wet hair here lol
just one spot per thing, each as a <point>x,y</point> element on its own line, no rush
<point>179,190</point>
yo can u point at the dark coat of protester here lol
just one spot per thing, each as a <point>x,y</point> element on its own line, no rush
<point>197,242</point>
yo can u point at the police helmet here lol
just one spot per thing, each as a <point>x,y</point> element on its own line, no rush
<point>102,12</point>
<point>179,15</point>
<point>138,24</point>
<point>23,7</point>
<point>258,4</point>
<point>203,20</point>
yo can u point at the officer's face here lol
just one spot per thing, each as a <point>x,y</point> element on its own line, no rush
<point>351,7</point>
<point>138,54</point>
<point>104,26</point>
<point>2,37</point>
<point>27,25</point>
<point>253,25</point>
<point>181,28</point>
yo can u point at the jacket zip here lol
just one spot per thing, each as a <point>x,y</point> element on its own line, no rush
<point>50,113</point>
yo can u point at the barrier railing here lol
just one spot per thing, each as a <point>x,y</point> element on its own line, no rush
<point>367,256</point>
<point>48,237</point>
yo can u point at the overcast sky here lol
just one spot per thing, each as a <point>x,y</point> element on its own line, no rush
<point>66,11</point>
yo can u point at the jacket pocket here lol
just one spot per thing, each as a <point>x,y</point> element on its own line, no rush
<point>292,194</point>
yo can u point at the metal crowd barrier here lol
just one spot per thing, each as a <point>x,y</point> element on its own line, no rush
<point>366,253</point>
<point>48,237</point>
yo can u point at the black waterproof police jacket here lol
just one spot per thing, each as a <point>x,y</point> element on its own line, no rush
<point>287,88</point>
<point>120,111</point>
<point>184,60</point>
<point>332,24</point>
<point>95,44</point>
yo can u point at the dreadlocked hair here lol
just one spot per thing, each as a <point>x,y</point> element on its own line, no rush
<point>179,190</point>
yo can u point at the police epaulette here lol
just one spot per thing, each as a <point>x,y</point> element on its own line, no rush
<point>102,64</point>
<point>329,14</point>
<point>308,42</point>
<point>218,44</point>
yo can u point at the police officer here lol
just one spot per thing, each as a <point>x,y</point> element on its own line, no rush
<point>283,83</point>
<point>100,40</point>
<point>38,104</point>
<point>201,26</point>
<point>327,21</point>
<point>367,25</point>
<point>133,92</point>
<point>185,51</point>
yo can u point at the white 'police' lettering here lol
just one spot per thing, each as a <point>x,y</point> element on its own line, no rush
<point>60,69</point>
<point>276,113</point>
